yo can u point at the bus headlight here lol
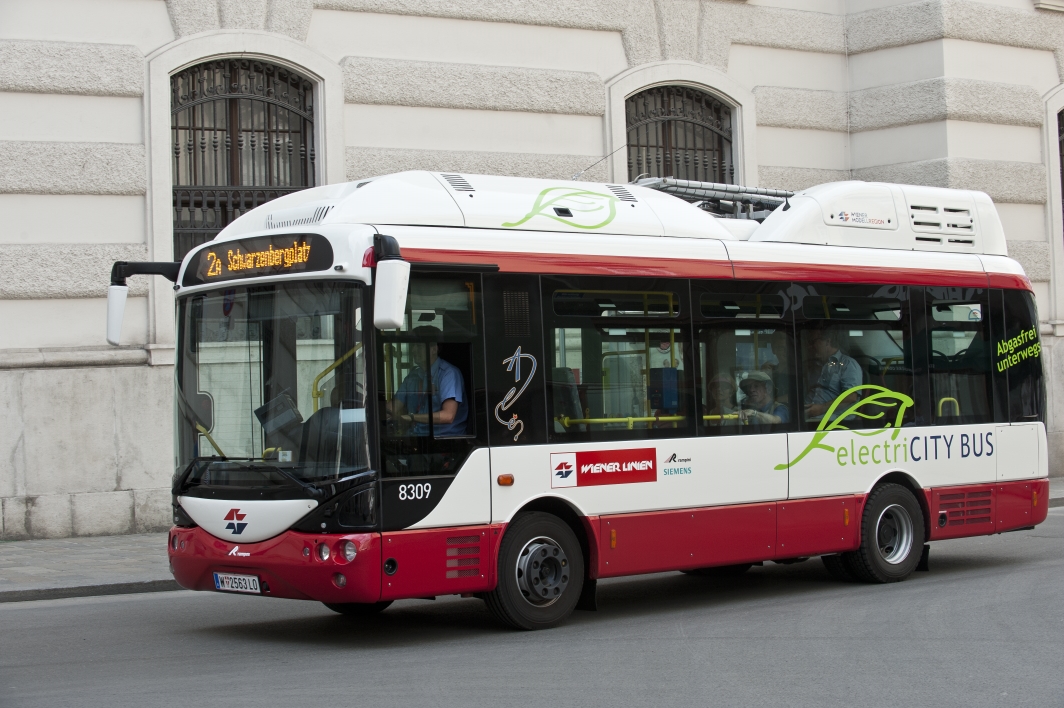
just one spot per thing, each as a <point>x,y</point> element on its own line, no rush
<point>323,551</point>
<point>350,551</point>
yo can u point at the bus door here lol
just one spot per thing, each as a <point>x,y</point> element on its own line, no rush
<point>431,403</point>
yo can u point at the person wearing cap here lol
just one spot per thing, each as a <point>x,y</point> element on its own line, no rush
<point>721,400</point>
<point>759,406</point>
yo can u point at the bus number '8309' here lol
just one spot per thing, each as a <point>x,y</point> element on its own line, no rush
<point>409,492</point>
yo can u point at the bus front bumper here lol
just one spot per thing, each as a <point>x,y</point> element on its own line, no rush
<point>289,565</point>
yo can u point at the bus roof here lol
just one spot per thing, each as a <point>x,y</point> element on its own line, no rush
<point>854,214</point>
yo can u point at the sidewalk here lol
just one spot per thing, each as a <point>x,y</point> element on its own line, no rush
<point>116,565</point>
<point>48,569</point>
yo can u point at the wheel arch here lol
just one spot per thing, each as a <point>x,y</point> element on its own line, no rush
<point>584,527</point>
<point>906,480</point>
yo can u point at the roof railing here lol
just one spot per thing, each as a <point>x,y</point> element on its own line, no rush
<point>724,200</point>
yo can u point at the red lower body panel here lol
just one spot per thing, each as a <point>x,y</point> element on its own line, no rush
<point>288,565</point>
<point>430,562</point>
<point>811,527</point>
<point>981,509</point>
<point>692,538</point>
<point>434,562</point>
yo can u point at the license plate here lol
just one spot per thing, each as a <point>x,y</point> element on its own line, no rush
<point>236,583</point>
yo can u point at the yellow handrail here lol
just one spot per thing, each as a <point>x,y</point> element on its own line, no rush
<point>314,392</point>
<point>948,399</point>
<point>210,439</point>
<point>726,416</point>
<point>566,421</point>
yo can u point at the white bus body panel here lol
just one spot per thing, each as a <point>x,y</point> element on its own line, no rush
<point>1019,447</point>
<point>245,521</point>
<point>468,500</point>
<point>706,472</point>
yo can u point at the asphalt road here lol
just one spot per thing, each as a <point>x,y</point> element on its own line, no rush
<point>985,627</point>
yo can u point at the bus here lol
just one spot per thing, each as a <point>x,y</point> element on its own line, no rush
<point>428,384</point>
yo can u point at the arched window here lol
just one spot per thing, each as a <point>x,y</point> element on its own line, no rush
<point>681,132</point>
<point>243,134</point>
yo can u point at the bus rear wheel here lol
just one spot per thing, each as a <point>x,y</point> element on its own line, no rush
<point>892,536</point>
<point>541,573</point>
<point>358,609</point>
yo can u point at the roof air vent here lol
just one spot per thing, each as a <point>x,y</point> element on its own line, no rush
<point>621,193</point>
<point>458,183</point>
<point>310,214</point>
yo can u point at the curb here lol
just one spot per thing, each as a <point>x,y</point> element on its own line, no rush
<point>1056,501</point>
<point>89,591</point>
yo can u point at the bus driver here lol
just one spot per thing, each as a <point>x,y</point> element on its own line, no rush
<point>449,408</point>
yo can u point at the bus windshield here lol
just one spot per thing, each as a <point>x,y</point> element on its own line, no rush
<point>271,385</point>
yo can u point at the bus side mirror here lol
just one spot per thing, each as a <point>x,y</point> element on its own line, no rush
<point>389,296</point>
<point>117,290</point>
<point>390,283</point>
<point>116,309</point>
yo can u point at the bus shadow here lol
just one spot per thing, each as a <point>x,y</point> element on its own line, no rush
<point>420,622</point>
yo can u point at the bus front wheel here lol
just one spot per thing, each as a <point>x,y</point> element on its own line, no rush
<point>541,573</point>
<point>892,536</point>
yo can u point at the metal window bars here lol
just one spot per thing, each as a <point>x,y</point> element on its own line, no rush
<point>725,200</point>
<point>243,134</point>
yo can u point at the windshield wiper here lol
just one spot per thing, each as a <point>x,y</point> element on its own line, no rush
<point>311,489</point>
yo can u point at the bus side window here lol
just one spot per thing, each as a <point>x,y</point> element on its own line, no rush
<point>745,361</point>
<point>1019,355</point>
<point>960,356</point>
<point>857,361</point>
<point>617,359</point>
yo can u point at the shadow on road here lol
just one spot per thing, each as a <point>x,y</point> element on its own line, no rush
<point>420,622</point>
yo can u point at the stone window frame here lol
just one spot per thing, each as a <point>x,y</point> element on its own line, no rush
<point>180,54</point>
<point>1054,104</point>
<point>682,73</point>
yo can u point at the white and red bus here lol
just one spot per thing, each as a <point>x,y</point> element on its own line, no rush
<point>426,384</point>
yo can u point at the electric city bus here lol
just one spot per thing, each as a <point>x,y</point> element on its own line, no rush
<point>426,384</point>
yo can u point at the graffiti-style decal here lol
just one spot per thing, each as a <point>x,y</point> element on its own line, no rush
<point>879,397</point>
<point>513,364</point>
<point>579,208</point>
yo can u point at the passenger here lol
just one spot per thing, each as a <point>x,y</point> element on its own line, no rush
<point>759,406</point>
<point>722,401</point>
<point>449,407</point>
<point>839,373</point>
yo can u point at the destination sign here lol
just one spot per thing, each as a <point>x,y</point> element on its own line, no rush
<point>255,257</point>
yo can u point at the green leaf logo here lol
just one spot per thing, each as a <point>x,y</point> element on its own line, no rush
<point>873,406</point>
<point>589,210</point>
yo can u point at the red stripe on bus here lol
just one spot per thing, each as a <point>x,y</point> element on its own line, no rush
<point>1010,281</point>
<point>824,272</point>
<point>576,264</point>
<point>582,264</point>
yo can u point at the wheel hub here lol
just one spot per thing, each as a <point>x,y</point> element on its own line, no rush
<point>542,571</point>
<point>894,534</point>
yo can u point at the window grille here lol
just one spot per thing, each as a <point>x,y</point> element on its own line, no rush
<point>242,133</point>
<point>681,132</point>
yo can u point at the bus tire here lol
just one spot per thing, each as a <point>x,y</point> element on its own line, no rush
<point>540,573</point>
<point>892,536</point>
<point>358,609</point>
<point>720,571</point>
<point>837,568</point>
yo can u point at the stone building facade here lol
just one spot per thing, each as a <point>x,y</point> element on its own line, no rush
<point>950,93</point>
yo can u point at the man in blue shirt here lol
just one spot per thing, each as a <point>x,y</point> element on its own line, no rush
<point>449,408</point>
<point>760,407</point>
<point>839,373</point>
